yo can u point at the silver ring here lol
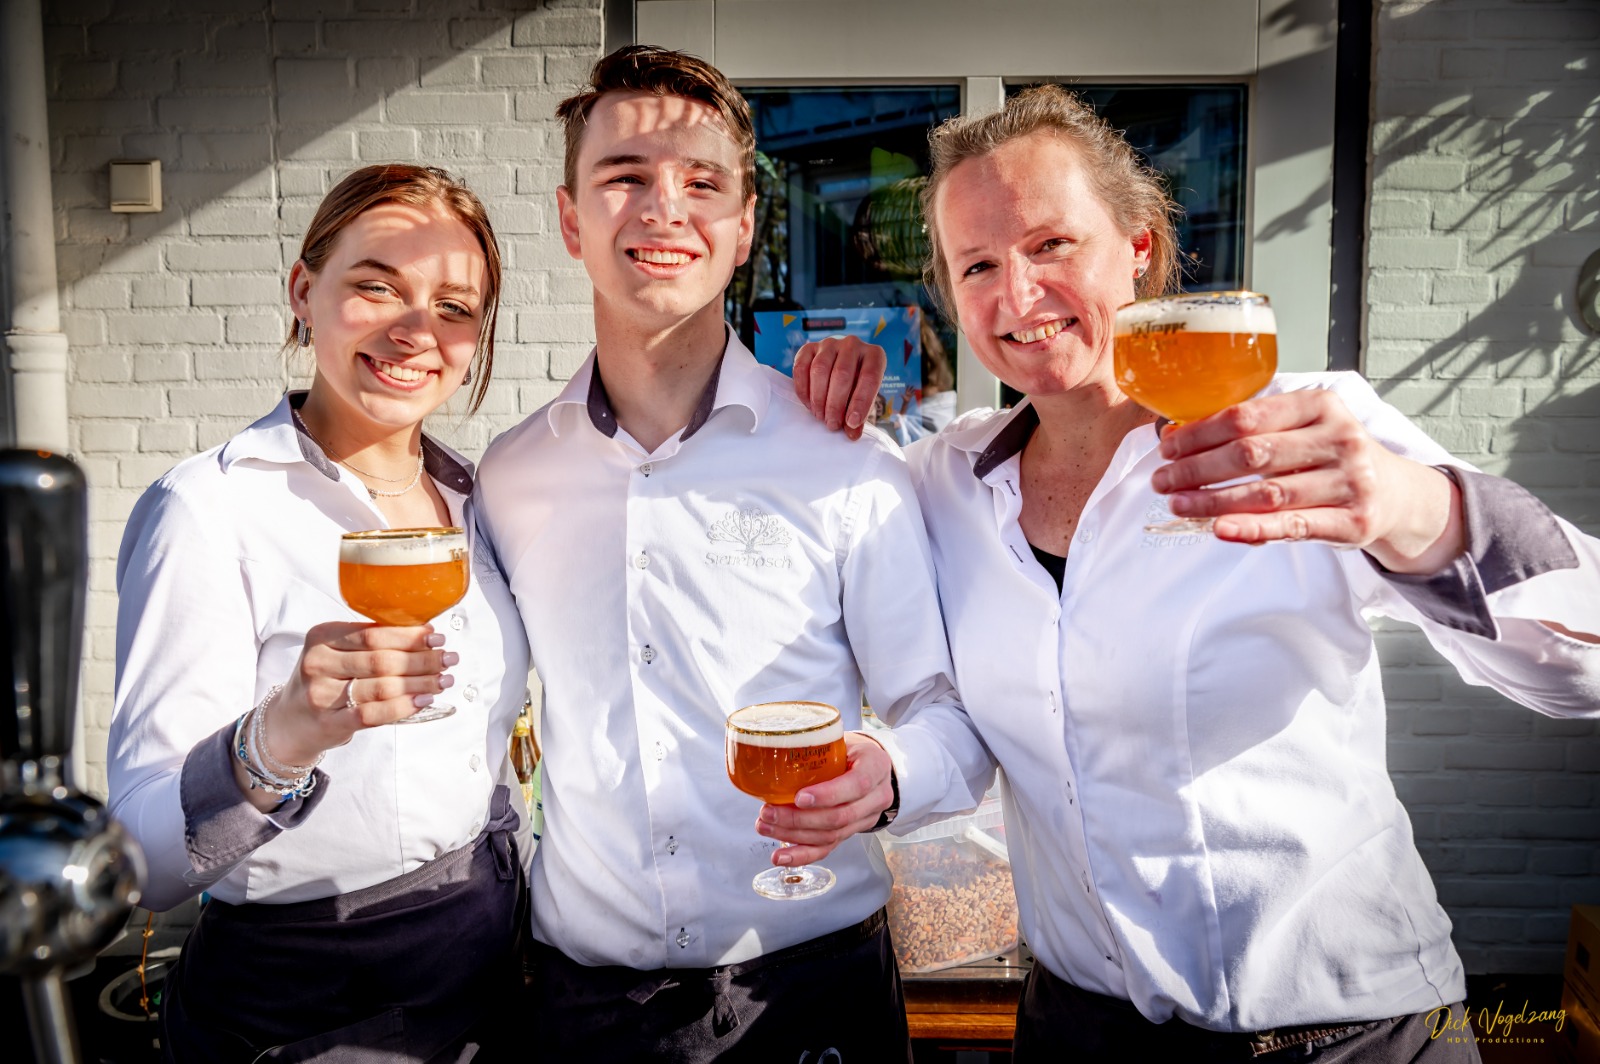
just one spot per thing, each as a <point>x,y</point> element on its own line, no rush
<point>350,695</point>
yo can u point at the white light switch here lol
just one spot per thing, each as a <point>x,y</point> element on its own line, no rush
<point>136,185</point>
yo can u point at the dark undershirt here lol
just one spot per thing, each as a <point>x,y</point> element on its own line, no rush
<point>1054,564</point>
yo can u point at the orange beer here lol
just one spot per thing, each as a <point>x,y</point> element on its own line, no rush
<point>1188,356</point>
<point>403,576</point>
<point>777,748</point>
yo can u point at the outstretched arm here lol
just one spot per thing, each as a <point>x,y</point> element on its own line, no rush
<point>1320,474</point>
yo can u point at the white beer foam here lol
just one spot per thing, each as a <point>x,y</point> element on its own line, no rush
<point>1198,316</point>
<point>782,722</point>
<point>401,550</point>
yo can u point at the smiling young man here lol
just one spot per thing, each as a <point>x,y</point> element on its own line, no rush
<point>684,539</point>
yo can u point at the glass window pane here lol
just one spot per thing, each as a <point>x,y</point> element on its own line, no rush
<point>839,243</point>
<point>1194,136</point>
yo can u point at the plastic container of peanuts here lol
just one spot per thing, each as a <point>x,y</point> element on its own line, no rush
<point>953,901</point>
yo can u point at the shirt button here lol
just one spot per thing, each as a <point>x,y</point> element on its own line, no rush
<point>672,846</point>
<point>661,752</point>
<point>647,655</point>
<point>683,939</point>
<point>473,762</point>
<point>1085,536</point>
<point>470,693</point>
<point>457,621</point>
<point>647,468</point>
<point>641,560</point>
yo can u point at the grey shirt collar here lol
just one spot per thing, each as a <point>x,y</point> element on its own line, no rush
<point>435,461</point>
<point>604,418</point>
<point>1008,442</point>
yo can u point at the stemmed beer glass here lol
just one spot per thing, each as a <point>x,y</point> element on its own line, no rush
<point>404,577</point>
<point>1189,356</point>
<point>774,750</point>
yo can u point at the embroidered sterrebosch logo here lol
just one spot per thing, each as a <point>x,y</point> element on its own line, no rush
<point>760,537</point>
<point>1157,513</point>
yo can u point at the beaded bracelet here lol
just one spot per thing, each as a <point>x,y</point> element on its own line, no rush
<point>259,776</point>
<point>286,789</point>
<point>261,780</point>
<point>257,779</point>
<point>258,740</point>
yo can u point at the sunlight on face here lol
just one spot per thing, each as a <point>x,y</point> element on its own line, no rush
<point>1037,264</point>
<point>658,216</point>
<point>396,312</point>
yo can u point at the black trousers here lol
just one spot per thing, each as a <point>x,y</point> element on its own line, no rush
<point>422,968</point>
<point>834,1000</point>
<point>1060,1023</point>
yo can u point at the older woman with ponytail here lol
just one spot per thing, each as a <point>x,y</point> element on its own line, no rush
<point>1210,860</point>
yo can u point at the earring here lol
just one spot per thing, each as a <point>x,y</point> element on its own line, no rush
<point>302,333</point>
<point>468,378</point>
<point>1140,270</point>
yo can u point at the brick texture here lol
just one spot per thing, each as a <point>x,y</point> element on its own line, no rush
<point>256,108</point>
<point>1486,139</point>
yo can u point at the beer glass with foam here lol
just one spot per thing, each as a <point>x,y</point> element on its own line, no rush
<point>774,750</point>
<point>404,577</point>
<point>1189,356</point>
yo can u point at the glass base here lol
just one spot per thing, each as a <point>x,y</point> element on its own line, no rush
<point>1184,526</point>
<point>437,711</point>
<point>793,884</point>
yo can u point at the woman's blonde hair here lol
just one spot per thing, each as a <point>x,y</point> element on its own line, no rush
<point>1132,192</point>
<point>413,186</point>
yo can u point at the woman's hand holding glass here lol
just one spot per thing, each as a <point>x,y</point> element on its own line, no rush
<point>1321,476</point>
<point>404,577</point>
<point>351,676</point>
<point>1190,355</point>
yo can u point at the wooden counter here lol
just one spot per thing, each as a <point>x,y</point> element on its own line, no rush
<point>970,1003</point>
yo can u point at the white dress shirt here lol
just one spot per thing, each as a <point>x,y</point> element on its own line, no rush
<point>1192,732</point>
<point>227,560</point>
<point>753,557</point>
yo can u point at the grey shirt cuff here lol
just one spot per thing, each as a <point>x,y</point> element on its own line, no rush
<point>1511,536</point>
<point>220,826</point>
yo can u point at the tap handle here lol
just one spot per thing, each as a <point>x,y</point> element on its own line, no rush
<point>44,532</point>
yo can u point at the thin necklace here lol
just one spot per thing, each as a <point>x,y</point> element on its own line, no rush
<point>376,494</point>
<point>416,476</point>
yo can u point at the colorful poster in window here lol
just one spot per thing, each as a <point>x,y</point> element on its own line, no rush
<point>898,330</point>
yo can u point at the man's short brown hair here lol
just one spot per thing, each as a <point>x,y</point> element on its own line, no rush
<point>661,72</point>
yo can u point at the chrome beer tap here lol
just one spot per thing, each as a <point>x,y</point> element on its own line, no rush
<point>68,873</point>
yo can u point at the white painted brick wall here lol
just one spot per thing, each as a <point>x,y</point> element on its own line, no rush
<point>255,108</point>
<point>1486,147</point>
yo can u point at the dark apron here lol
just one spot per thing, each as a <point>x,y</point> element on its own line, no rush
<point>836,999</point>
<point>1058,1021</point>
<point>422,968</point>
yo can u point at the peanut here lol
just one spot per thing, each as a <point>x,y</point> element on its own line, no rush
<point>951,903</point>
